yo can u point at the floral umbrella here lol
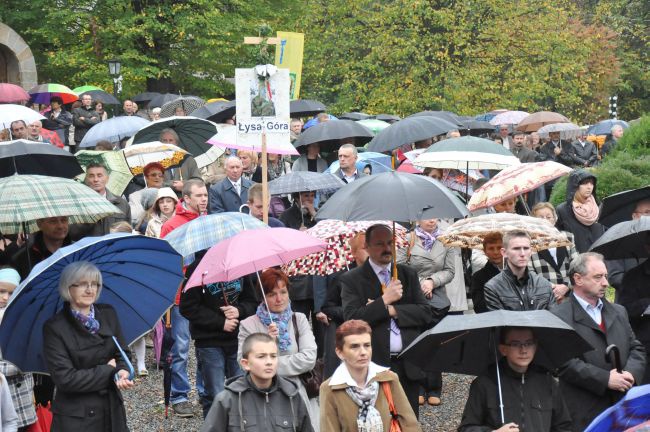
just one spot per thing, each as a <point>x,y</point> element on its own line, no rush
<point>168,155</point>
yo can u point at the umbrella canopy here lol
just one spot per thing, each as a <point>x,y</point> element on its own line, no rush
<point>144,97</point>
<point>374,125</point>
<point>138,156</point>
<point>536,120</point>
<point>514,181</point>
<point>469,233</point>
<point>409,130</point>
<point>10,113</point>
<point>619,207</point>
<point>629,239</point>
<point>301,181</point>
<point>567,131</point>
<point>508,118</point>
<point>226,137</point>
<point>119,174</point>
<point>477,126</point>
<point>43,93</point>
<point>378,162</point>
<point>193,133</point>
<point>114,130</point>
<point>632,413</point>
<point>466,343</point>
<point>355,116</point>
<point>84,88</point>
<point>52,137</point>
<point>234,257</point>
<point>162,99</point>
<point>26,198</point>
<point>330,133</point>
<point>188,104</point>
<point>605,127</point>
<point>466,152</point>
<point>217,112</point>
<point>11,93</point>
<point>101,96</point>
<point>388,117</point>
<point>206,231</point>
<point>407,167</point>
<point>394,196</point>
<point>305,107</point>
<point>28,157</point>
<point>141,276</point>
<point>444,115</point>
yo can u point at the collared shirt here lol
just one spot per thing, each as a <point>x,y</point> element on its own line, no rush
<point>595,312</point>
<point>236,185</point>
<point>553,252</point>
<point>342,375</point>
<point>378,269</point>
<point>395,333</point>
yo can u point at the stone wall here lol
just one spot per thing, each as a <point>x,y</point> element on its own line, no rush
<point>19,67</point>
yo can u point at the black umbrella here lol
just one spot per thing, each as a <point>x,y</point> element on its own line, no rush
<point>305,107</point>
<point>193,133</point>
<point>445,115</point>
<point>619,207</point>
<point>101,96</point>
<point>388,117</point>
<point>477,126</point>
<point>355,116</point>
<point>29,157</point>
<point>160,100</point>
<point>330,133</point>
<point>144,97</point>
<point>409,130</point>
<point>218,111</point>
<point>629,239</point>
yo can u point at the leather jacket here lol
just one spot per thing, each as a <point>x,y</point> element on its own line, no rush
<point>505,291</point>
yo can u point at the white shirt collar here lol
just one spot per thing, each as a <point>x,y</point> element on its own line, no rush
<point>342,375</point>
<point>378,268</point>
<point>586,305</point>
<point>235,183</point>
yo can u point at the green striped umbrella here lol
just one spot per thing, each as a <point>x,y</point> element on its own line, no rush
<point>119,173</point>
<point>85,88</point>
<point>26,198</point>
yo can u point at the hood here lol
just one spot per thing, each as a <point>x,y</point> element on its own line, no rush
<point>575,178</point>
<point>243,383</point>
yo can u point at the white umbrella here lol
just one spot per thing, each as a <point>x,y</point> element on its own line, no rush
<point>567,130</point>
<point>10,113</point>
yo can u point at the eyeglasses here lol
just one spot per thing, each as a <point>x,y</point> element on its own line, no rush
<point>520,345</point>
<point>86,285</point>
<point>155,174</point>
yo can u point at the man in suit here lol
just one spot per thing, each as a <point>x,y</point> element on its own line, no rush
<point>590,383</point>
<point>230,193</point>
<point>520,151</point>
<point>585,153</point>
<point>557,150</point>
<point>396,309</point>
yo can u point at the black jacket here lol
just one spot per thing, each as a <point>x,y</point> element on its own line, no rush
<point>588,153</point>
<point>505,291</point>
<point>566,220</point>
<point>546,152</point>
<point>479,279</point>
<point>293,217</point>
<point>87,398</point>
<point>635,297</point>
<point>37,251</point>
<point>90,119</point>
<point>532,400</point>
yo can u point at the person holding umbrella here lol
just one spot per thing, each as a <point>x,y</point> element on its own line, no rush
<point>58,119</point>
<point>174,177</point>
<point>84,117</point>
<point>81,355</point>
<point>310,160</point>
<point>52,235</point>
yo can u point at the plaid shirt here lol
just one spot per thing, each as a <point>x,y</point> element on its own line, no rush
<point>557,273</point>
<point>21,388</point>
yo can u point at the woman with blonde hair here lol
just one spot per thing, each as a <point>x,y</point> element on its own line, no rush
<point>251,170</point>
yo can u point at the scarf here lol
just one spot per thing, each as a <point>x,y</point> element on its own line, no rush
<point>87,321</point>
<point>427,239</point>
<point>282,320</point>
<point>368,419</point>
<point>587,212</point>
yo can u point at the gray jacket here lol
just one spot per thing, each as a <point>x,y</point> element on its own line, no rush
<point>504,291</point>
<point>242,407</point>
<point>301,164</point>
<point>587,154</point>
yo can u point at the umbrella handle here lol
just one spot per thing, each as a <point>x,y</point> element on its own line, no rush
<point>126,360</point>
<point>496,357</point>
<point>616,358</point>
<point>264,296</point>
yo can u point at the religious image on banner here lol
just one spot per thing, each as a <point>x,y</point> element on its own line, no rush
<point>262,95</point>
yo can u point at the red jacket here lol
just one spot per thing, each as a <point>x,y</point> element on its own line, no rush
<point>181,217</point>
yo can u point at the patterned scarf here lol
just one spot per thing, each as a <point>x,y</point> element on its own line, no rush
<point>586,212</point>
<point>282,320</point>
<point>368,419</point>
<point>427,239</point>
<point>87,321</point>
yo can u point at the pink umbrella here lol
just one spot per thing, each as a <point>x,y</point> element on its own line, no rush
<point>407,166</point>
<point>508,117</point>
<point>11,93</point>
<point>227,137</point>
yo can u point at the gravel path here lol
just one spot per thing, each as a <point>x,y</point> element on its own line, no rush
<point>145,408</point>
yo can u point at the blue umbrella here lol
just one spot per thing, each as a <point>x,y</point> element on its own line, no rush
<point>633,410</point>
<point>314,121</point>
<point>141,276</point>
<point>605,127</point>
<point>113,130</point>
<point>378,161</point>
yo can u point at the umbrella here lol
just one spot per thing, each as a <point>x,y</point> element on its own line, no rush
<point>355,116</point>
<point>469,233</point>
<point>466,153</point>
<point>374,125</point>
<point>162,99</point>
<point>536,120</point>
<point>28,157</point>
<point>138,156</point>
<point>301,181</point>
<point>42,93</point>
<point>305,107</point>
<point>84,88</point>
<point>508,118</point>
<point>52,137</point>
<point>338,254</point>
<point>114,130</point>
<point>514,181</point>
<point>444,115</point>
<point>10,113</point>
<point>189,104</point>
<point>375,165</point>
<point>388,117</point>
<point>314,121</point>
<point>141,276</point>
<point>217,112</point>
<point>119,174</point>
<point>394,196</point>
<point>567,130</point>
<point>407,167</point>
<point>26,198</point>
<point>619,207</point>
<point>605,127</point>
<point>409,130</point>
<point>627,414</point>
<point>206,231</point>
<point>477,126</point>
<point>101,96</point>
<point>330,133</point>
<point>629,239</point>
<point>144,97</point>
<point>11,93</point>
<point>227,137</point>
<point>234,257</point>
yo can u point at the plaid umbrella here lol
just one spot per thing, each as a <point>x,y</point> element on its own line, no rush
<point>189,104</point>
<point>25,198</point>
<point>300,181</point>
<point>469,233</point>
<point>168,155</point>
<point>119,174</point>
<point>206,231</point>
<point>338,254</point>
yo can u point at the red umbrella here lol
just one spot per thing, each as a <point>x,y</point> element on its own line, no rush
<point>52,137</point>
<point>11,93</point>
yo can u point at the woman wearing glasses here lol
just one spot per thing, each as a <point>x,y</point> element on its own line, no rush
<point>82,358</point>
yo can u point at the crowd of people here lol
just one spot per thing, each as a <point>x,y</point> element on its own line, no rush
<point>255,341</point>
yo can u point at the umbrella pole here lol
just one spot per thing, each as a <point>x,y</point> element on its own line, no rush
<point>264,295</point>
<point>496,357</point>
<point>265,182</point>
<point>29,258</point>
<point>467,180</point>
<point>394,255</point>
<point>523,202</point>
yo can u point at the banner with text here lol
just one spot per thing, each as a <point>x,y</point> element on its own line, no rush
<point>288,54</point>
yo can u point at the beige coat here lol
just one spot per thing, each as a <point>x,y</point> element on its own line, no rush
<point>338,412</point>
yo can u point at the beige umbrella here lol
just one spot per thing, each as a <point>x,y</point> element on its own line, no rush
<point>542,118</point>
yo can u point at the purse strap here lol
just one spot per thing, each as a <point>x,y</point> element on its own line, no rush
<point>394,422</point>
<point>294,320</point>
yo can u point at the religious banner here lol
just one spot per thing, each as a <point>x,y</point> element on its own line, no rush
<point>288,54</point>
